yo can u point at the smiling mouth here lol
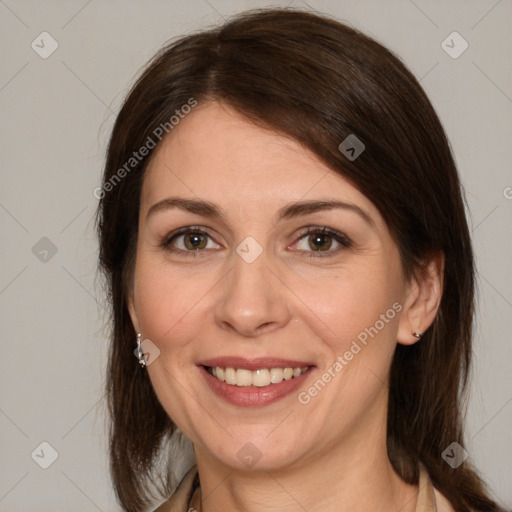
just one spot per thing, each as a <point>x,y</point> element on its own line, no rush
<point>263,377</point>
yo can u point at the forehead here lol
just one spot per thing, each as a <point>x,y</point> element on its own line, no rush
<point>217,154</point>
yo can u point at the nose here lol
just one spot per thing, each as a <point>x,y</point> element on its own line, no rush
<point>253,300</point>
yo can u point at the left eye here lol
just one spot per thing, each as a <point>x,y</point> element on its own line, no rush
<point>322,240</point>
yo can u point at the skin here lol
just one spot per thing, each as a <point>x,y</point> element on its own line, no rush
<point>291,302</point>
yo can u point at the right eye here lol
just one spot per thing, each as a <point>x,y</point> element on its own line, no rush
<point>189,240</point>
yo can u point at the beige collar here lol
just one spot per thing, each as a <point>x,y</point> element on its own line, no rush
<point>180,501</point>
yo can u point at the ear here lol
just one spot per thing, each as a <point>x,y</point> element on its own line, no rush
<point>423,296</point>
<point>130,303</point>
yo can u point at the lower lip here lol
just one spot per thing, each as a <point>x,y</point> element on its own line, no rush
<point>252,396</point>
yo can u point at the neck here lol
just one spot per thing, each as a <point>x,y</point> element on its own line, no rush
<point>355,475</point>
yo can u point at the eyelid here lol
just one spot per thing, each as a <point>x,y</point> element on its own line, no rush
<point>182,230</point>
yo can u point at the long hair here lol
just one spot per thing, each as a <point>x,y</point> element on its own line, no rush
<point>318,81</point>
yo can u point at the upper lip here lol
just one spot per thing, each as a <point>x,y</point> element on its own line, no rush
<point>254,363</point>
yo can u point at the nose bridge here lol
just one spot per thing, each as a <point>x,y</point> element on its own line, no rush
<point>252,298</point>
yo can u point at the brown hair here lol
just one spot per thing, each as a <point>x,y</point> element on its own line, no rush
<point>318,81</point>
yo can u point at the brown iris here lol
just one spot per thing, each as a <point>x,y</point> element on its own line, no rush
<point>195,240</point>
<point>320,241</point>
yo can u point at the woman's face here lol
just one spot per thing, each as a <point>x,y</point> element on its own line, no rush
<point>243,263</point>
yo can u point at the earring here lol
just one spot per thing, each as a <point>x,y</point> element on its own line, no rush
<point>417,335</point>
<point>140,354</point>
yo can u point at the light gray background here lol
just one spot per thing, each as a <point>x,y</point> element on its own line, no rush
<point>56,117</point>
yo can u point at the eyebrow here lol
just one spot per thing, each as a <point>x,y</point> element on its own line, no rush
<point>298,209</point>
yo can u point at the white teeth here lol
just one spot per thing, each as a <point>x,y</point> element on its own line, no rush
<point>288,373</point>
<point>230,376</point>
<point>259,378</point>
<point>243,377</point>
<point>276,375</point>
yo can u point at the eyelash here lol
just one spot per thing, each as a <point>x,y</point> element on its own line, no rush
<point>342,239</point>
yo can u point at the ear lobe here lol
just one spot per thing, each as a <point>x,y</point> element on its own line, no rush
<point>422,302</point>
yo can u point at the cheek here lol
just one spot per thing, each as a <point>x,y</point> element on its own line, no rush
<point>168,303</point>
<point>353,305</point>
<point>356,317</point>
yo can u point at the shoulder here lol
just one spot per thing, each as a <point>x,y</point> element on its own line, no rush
<point>180,498</point>
<point>442,504</point>
<point>429,498</point>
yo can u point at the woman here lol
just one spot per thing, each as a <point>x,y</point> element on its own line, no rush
<point>283,234</point>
